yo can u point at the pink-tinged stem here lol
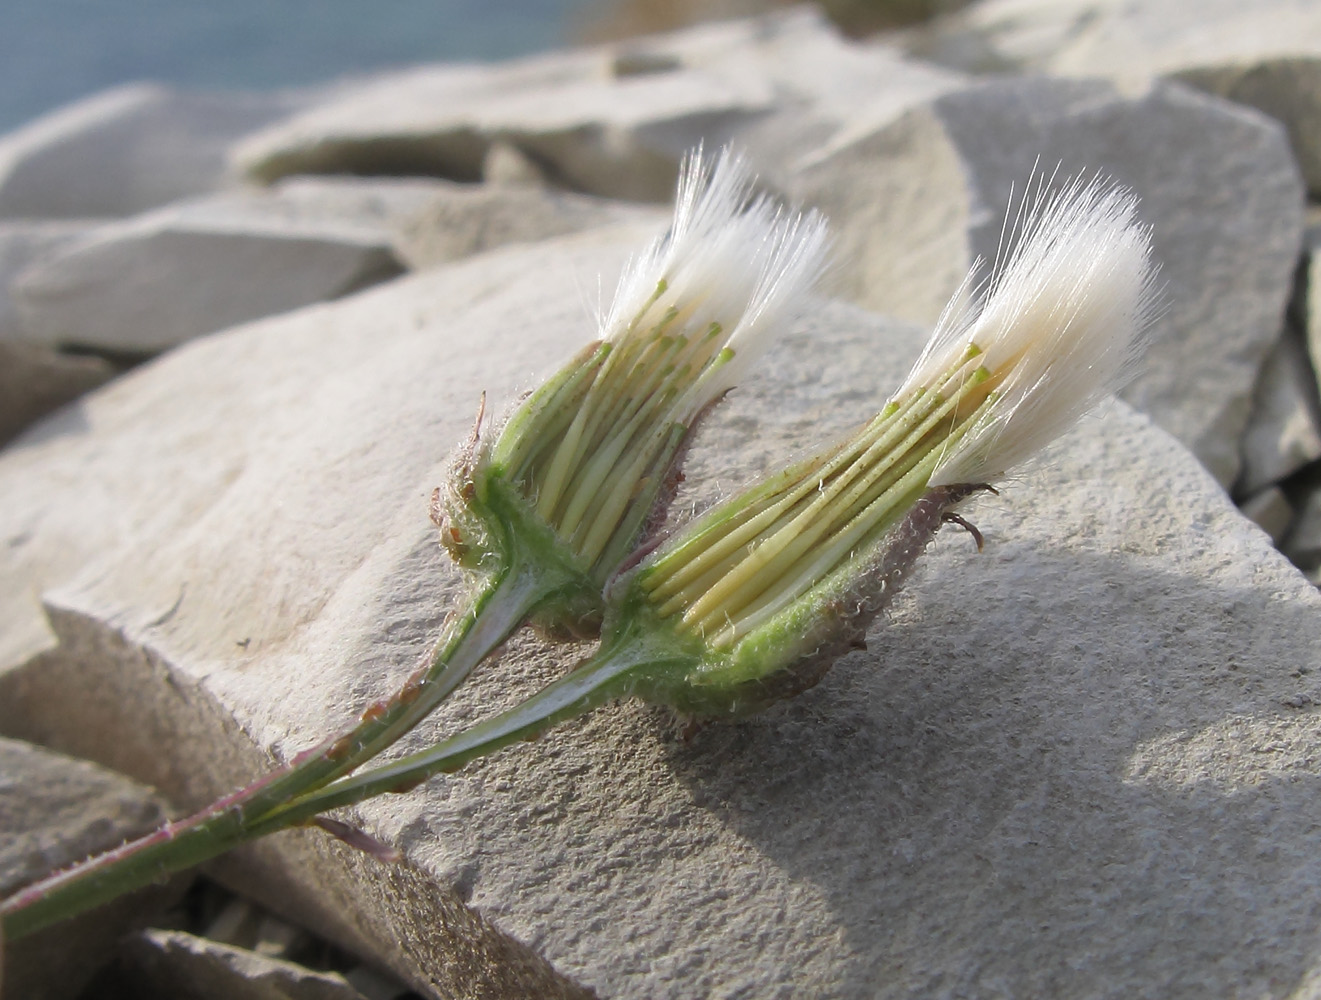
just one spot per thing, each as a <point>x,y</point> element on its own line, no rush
<point>225,823</point>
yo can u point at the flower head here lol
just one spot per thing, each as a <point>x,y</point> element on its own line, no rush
<point>579,469</point>
<point>1060,327</point>
<point>788,574</point>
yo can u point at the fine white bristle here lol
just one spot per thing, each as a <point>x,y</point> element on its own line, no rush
<point>1059,328</point>
<point>731,258</point>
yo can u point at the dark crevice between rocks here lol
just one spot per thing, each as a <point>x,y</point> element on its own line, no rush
<point>145,968</point>
<point>1294,526</point>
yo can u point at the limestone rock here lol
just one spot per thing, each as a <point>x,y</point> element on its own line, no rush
<point>505,165</point>
<point>465,219</point>
<point>914,202</point>
<point>54,811</point>
<point>177,964</point>
<point>459,319</point>
<point>24,242</point>
<point>616,138</point>
<point>1284,430</point>
<point>1266,54</point>
<point>35,380</point>
<point>1119,38</point>
<point>1287,88</point>
<point>610,121</point>
<point>1270,511</point>
<point>1100,726</point>
<point>1310,299</point>
<point>147,283</point>
<point>127,150</point>
<point>1302,544</point>
<point>826,87</point>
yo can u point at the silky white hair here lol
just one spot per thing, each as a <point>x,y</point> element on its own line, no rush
<point>1062,322</point>
<point>730,257</point>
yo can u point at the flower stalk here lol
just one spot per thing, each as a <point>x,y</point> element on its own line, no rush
<point>756,599</point>
<point>542,515</point>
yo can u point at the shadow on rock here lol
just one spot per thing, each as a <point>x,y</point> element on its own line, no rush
<point>1117,799</point>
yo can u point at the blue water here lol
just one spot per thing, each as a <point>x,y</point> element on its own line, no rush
<point>53,51</point>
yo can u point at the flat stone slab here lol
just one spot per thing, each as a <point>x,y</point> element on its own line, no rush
<point>1266,54</point>
<point>1288,88</point>
<point>55,810</point>
<point>24,242</point>
<point>460,220</point>
<point>1284,430</point>
<point>35,380</point>
<point>127,150</point>
<point>177,964</point>
<point>1110,38</point>
<point>156,280</point>
<point>916,200</point>
<point>611,120</point>
<point>620,138</point>
<point>1077,765</point>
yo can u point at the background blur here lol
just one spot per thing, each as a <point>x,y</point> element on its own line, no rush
<point>54,51</point>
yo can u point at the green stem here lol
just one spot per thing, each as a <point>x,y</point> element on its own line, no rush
<point>614,672</point>
<point>227,822</point>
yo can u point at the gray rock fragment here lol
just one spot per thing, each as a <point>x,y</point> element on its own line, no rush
<point>151,282</point>
<point>1288,89</point>
<point>209,752</point>
<point>1302,544</point>
<point>916,200</point>
<point>610,121</point>
<point>620,138</point>
<point>1266,55</point>
<point>1270,511</point>
<point>1284,429</point>
<point>1119,39</point>
<point>25,242</point>
<point>464,219</point>
<point>177,964</point>
<point>1311,291</point>
<point>505,165</point>
<point>1089,731</point>
<point>127,150</point>
<point>55,810</point>
<point>35,380</point>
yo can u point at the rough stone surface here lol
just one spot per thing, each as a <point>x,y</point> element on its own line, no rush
<point>148,283</point>
<point>127,150</point>
<point>1284,430</point>
<point>53,811</point>
<point>1266,54</point>
<point>1311,297</point>
<point>465,219</point>
<point>916,201</point>
<point>610,121</point>
<point>618,138</point>
<point>1119,38</point>
<point>176,964</point>
<point>1302,544</point>
<point>505,164</point>
<point>1287,89</point>
<point>24,243</point>
<point>35,380</point>
<point>1080,764</point>
<point>1270,511</point>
